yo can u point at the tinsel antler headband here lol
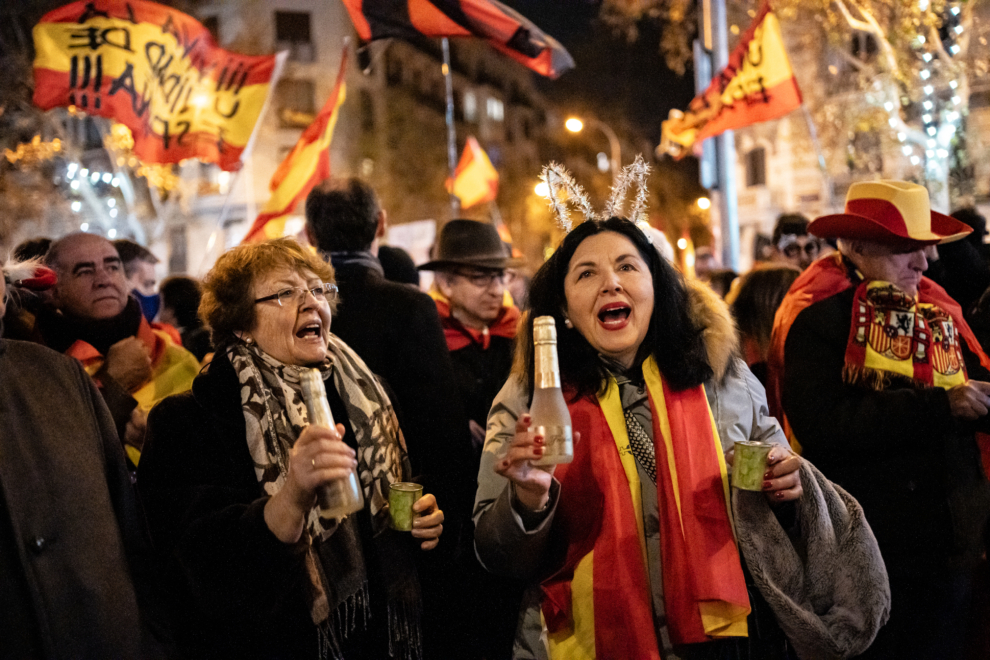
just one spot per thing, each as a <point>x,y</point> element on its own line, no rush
<point>564,194</point>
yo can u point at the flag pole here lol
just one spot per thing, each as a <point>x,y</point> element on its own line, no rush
<point>218,226</point>
<point>725,150</point>
<point>455,203</point>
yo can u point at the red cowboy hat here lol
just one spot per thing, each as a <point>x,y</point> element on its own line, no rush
<point>889,211</point>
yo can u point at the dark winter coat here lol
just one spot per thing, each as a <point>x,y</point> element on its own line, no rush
<point>913,467</point>
<point>76,570</point>
<point>236,590</point>
<point>396,331</point>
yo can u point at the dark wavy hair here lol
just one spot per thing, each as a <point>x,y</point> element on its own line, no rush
<point>760,295</point>
<point>672,338</point>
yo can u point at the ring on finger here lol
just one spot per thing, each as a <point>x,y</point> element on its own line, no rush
<point>314,463</point>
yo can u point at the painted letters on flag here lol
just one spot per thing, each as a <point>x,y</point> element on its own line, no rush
<point>756,85</point>
<point>158,72</point>
<point>504,28</point>
<point>475,179</point>
<point>306,165</point>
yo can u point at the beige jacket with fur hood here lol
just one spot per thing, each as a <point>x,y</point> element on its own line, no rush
<point>511,543</point>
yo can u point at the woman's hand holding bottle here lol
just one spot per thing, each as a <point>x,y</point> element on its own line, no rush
<point>532,484</point>
<point>319,457</point>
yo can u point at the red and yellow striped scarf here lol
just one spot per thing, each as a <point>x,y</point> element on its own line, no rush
<point>599,604</point>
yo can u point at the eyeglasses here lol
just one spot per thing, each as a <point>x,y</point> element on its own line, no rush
<point>297,295</point>
<point>482,280</point>
<point>792,249</point>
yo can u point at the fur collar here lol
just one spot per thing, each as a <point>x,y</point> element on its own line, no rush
<point>711,313</point>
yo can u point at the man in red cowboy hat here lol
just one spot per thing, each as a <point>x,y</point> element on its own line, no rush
<point>884,389</point>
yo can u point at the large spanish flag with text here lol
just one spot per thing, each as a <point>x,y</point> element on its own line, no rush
<point>306,165</point>
<point>503,27</point>
<point>475,179</point>
<point>756,85</point>
<point>158,72</point>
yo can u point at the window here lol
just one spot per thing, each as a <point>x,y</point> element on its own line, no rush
<point>470,106</point>
<point>295,101</point>
<point>496,111</point>
<point>756,167</point>
<point>292,33</point>
<point>864,46</point>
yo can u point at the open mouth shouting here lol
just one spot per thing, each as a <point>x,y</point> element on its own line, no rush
<point>311,331</point>
<point>614,316</point>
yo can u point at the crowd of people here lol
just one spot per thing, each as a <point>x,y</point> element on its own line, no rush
<point>160,476</point>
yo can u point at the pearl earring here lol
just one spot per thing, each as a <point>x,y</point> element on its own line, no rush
<point>567,323</point>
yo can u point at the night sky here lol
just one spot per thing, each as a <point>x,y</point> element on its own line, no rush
<point>612,78</point>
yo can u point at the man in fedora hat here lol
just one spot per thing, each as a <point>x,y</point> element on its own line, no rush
<point>470,261</point>
<point>884,388</point>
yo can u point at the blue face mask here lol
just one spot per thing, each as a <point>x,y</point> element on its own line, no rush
<point>149,304</point>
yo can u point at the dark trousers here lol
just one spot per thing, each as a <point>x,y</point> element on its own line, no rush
<point>929,616</point>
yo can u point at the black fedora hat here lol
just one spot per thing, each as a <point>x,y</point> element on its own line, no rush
<point>470,243</point>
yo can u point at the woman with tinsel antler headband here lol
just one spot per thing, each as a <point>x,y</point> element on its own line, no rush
<point>638,548</point>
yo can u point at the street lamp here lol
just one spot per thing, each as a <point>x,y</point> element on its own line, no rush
<point>575,125</point>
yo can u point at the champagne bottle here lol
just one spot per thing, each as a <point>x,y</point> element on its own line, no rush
<point>344,496</point>
<point>549,412</point>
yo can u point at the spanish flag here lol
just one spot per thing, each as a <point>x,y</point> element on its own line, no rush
<point>475,179</point>
<point>306,165</point>
<point>504,28</point>
<point>756,85</point>
<point>158,72</point>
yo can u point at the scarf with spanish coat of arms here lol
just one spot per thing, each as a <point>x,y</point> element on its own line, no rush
<point>894,334</point>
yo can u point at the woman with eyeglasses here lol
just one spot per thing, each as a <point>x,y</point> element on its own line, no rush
<point>231,470</point>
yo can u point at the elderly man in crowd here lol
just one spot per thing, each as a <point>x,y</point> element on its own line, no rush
<point>884,387</point>
<point>97,322</point>
<point>479,325</point>
<point>76,572</point>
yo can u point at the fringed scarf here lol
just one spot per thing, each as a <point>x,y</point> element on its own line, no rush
<point>598,605</point>
<point>893,334</point>
<point>275,414</point>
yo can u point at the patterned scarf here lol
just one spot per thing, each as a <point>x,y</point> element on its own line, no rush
<point>275,414</point>
<point>892,334</point>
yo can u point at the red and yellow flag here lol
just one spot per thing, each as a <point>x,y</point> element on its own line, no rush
<point>756,85</point>
<point>158,72</point>
<point>306,165</point>
<point>475,179</point>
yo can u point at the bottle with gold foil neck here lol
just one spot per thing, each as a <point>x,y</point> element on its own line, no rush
<point>549,414</point>
<point>343,497</point>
